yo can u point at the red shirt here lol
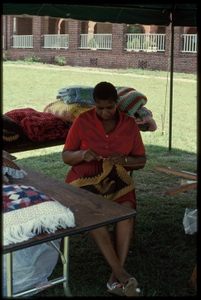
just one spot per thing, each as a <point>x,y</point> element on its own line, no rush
<point>87,132</point>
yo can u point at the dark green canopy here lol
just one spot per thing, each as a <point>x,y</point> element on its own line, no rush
<point>148,14</point>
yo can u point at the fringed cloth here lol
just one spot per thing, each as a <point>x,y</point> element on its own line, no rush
<point>112,183</point>
<point>27,212</point>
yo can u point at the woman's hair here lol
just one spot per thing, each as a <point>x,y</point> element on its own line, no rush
<point>104,91</point>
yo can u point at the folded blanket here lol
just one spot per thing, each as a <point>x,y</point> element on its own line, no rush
<point>27,212</point>
<point>129,99</point>
<point>66,111</point>
<point>76,94</point>
<point>112,183</point>
<point>39,126</point>
<point>144,116</point>
<point>11,168</point>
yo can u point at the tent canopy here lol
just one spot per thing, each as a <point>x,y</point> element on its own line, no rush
<point>147,14</point>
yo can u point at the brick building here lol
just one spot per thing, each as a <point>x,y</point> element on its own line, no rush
<point>115,57</point>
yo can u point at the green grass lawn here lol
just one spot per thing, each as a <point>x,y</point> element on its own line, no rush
<point>161,257</point>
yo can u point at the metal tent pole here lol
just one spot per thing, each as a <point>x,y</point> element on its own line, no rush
<point>171,83</point>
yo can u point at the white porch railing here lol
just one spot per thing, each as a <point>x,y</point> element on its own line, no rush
<point>22,41</point>
<point>189,43</point>
<point>135,42</point>
<point>56,41</point>
<point>96,41</point>
<point>145,42</point>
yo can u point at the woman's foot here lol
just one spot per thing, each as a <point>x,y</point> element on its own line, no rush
<point>122,276</point>
<point>129,287</point>
<point>126,283</point>
<point>113,279</point>
<point>115,289</point>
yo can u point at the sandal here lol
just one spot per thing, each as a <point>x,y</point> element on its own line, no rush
<point>130,287</point>
<point>113,289</point>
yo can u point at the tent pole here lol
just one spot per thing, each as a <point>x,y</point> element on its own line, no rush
<point>171,83</point>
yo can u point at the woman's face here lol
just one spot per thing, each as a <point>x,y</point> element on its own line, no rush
<point>105,109</point>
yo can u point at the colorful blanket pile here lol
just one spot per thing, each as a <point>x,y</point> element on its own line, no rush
<point>27,212</point>
<point>75,99</point>
<point>112,183</point>
<point>39,126</point>
<point>76,94</point>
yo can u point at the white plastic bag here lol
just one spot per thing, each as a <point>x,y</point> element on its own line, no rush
<point>31,266</point>
<point>190,221</point>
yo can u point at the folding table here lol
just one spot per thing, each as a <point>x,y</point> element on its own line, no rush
<point>90,211</point>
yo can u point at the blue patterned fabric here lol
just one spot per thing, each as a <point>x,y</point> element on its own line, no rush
<point>76,94</point>
<point>19,196</point>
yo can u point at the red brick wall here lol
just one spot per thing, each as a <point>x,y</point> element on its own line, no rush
<point>38,25</point>
<point>115,58</point>
<point>7,31</point>
<point>117,39</point>
<point>74,31</point>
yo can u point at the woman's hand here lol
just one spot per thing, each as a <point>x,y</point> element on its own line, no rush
<point>117,159</point>
<point>133,162</point>
<point>89,155</point>
<point>73,158</point>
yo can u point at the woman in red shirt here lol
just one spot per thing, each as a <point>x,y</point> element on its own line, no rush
<point>106,132</point>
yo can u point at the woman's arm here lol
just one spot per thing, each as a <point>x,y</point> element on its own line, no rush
<point>133,162</point>
<point>73,158</point>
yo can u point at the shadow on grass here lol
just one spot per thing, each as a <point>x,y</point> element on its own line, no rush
<point>161,256</point>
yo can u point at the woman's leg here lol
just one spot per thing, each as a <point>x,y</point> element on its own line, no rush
<point>123,232</point>
<point>116,259</point>
<point>102,239</point>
